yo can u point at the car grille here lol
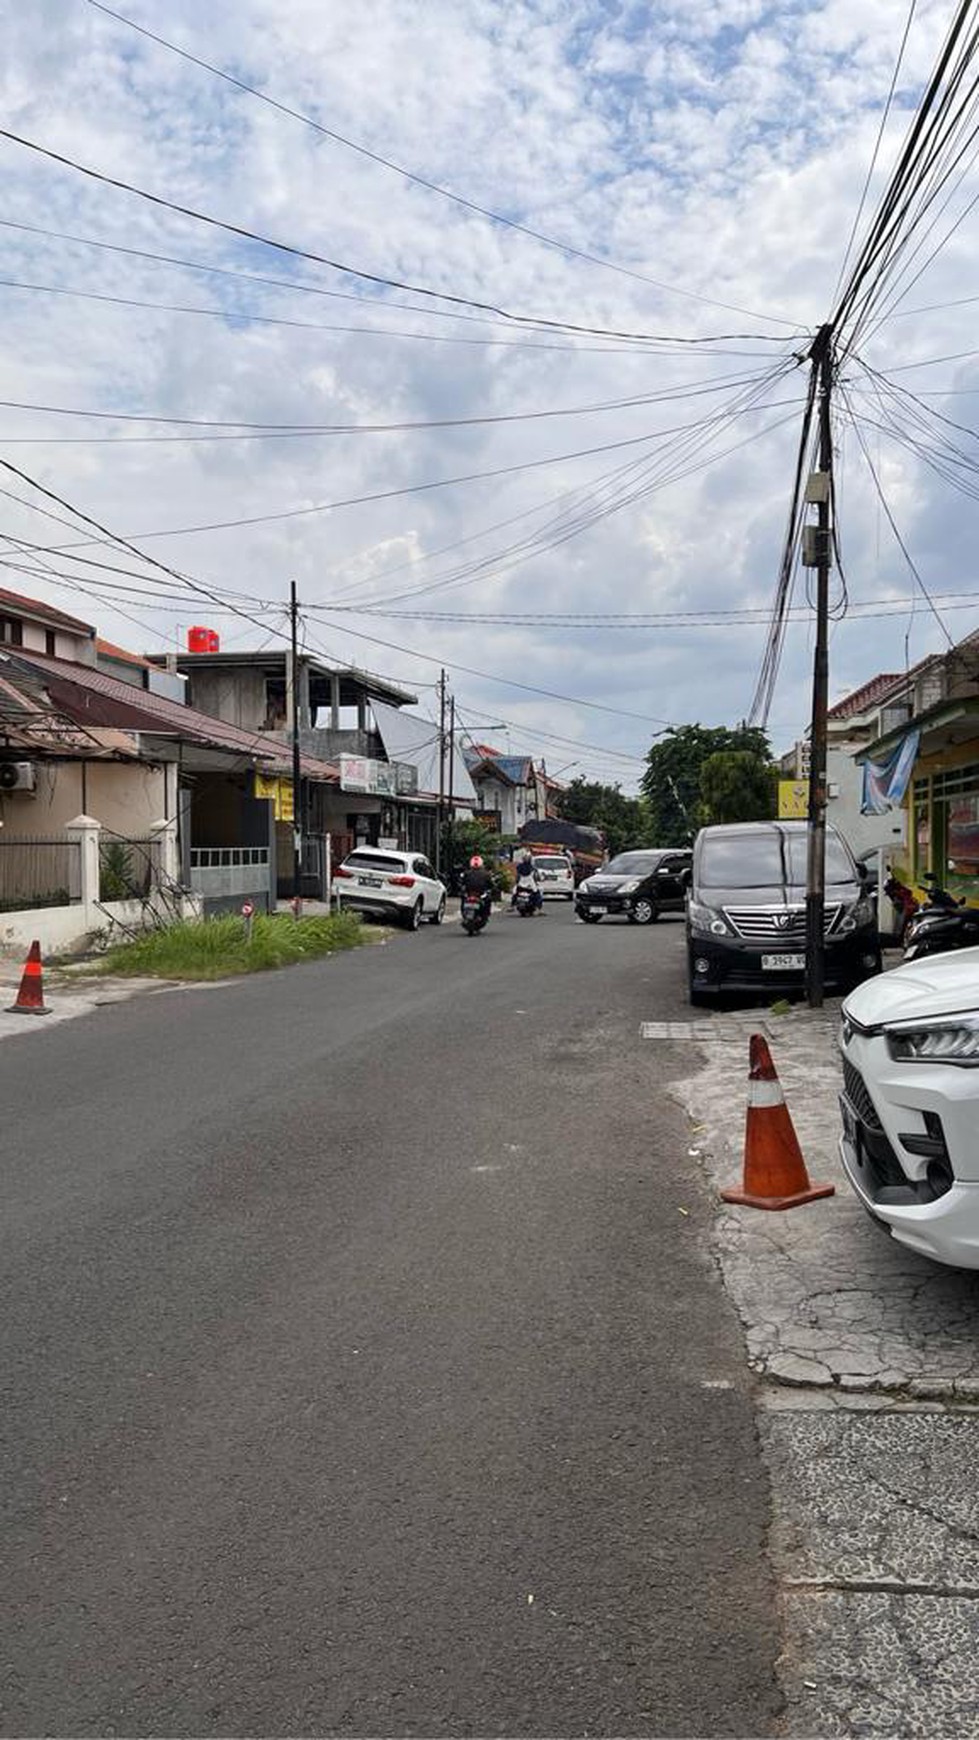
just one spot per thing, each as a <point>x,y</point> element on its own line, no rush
<point>858,1096</point>
<point>775,924</point>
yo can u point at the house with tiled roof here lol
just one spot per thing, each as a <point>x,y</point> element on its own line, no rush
<point>93,738</point>
<point>507,793</point>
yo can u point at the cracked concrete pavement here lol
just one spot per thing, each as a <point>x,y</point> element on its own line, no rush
<point>825,1297</point>
<point>867,1358</point>
<point>876,1538</point>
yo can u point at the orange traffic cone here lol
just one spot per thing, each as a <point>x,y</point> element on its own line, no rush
<point>775,1173</point>
<point>30,997</point>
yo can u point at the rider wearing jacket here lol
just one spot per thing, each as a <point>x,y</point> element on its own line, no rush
<point>476,880</point>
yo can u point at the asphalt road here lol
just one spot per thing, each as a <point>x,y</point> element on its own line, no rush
<point>360,1372</point>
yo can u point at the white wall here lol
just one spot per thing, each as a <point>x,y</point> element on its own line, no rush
<point>69,929</point>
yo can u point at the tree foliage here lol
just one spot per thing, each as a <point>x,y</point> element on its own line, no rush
<point>738,786</point>
<point>623,820</point>
<point>674,768</point>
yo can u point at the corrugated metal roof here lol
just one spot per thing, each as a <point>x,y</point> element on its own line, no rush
<point>101,699</point>
<point>45,612</point>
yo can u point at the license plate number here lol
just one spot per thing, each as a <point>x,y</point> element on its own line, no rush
<point>597,906</point>
<point>371,881</point>
<point>783,963</point>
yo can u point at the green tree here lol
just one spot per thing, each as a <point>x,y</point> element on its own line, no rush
<point>623,820</point>
<point>672,781</point>
<point>737,786</point>
<point>460,841</point>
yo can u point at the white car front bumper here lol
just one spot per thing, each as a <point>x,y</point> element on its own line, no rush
<point>909,1147</point>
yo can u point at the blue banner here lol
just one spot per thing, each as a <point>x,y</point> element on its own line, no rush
<point>885,782</point>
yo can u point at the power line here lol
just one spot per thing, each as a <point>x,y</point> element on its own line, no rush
<point>508,682</point>
<point>247,315</point>
<point>877,144</point>
<point>893,523</point>
<point>296,252</point>
<point>302,286</point>
<point>285,431</point>
<point>405,489</point>
<point>422,181</point>
<point>185,580</point>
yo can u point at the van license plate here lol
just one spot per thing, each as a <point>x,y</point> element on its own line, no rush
<point>783,963</point>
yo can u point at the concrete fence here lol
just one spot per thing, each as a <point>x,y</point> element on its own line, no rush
<point>68,927</point>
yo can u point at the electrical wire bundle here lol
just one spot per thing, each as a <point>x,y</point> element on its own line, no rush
<point>940,151</point>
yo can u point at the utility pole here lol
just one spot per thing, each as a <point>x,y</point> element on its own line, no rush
<point>438,843</point>
<point>297,824</point>
<point>817,553</point>
<point>452,757</point>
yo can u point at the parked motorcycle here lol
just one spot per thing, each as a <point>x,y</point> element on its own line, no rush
<point>942,924</point>
<point>903,899</point>
<point>474,913</point>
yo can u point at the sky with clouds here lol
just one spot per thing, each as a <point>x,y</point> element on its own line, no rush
<point>708,159</point>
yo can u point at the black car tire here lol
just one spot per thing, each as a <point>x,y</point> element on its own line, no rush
<point>590,917</point>
<point>414,917</point>
<point>437,916</point>
<point>645,911</point>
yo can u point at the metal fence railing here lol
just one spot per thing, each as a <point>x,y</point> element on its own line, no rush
<point>39,873</point>
<point>222,872</point>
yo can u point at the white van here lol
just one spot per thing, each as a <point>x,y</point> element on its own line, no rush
<point>556,875</point>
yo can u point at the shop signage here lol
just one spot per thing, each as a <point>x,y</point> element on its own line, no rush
<point>378,778</point>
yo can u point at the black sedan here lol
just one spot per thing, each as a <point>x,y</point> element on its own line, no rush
<point>637,886</point>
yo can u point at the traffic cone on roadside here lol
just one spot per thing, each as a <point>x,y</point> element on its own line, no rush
<point>775,1173</point>
<point>30,997</point>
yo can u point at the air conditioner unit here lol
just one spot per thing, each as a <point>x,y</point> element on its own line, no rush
<point>17,776</point>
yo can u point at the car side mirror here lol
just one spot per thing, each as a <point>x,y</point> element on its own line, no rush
<point>862,872</point>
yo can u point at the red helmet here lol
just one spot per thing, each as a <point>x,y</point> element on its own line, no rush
<point>475,862</point>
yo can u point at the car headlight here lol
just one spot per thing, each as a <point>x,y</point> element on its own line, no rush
<point>857,916</point>
<point>954,1039</point>
<point>705,920</point>
<point>629,887</point>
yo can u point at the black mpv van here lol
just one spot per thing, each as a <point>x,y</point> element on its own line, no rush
<point>746,915</point>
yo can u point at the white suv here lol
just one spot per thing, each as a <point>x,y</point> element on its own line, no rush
<point>556,875</point>
<point>393,885</point>
<point>910,1103</point>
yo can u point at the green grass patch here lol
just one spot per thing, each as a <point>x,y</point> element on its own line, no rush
<point>218,948</point>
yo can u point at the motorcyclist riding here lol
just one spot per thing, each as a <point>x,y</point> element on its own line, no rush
<point>476,880</point>
<point>528,880</point>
